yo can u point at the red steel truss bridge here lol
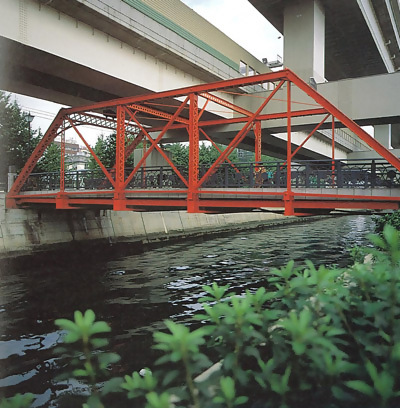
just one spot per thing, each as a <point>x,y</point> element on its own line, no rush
<point>296,186</point>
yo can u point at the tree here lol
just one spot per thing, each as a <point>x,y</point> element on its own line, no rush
<point>180,153</point>
<point>51,160</point>
<point>17,140</point>
<point>105,150</point>
<point>207,154</point>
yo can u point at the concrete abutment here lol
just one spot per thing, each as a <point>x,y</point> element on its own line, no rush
<point>26,232</point>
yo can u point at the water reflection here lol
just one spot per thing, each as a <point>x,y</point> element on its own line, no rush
<point>135,293</point>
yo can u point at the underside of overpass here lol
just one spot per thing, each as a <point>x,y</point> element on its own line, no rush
<point>339,40</point>
<point>361,36</point>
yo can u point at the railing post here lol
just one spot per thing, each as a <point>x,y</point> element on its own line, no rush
<point>257,135</point>
<point>339,174</point>
<point>161,177</point>
<point>373,173</point>
<point>143,178</point>
<point>193,195</point>
<point>226,178</point>
<point>308,174</point>
<point>251,175</point>
<point>278,175</point>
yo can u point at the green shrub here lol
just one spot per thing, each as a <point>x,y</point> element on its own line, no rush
<point>17,401</point>
<point>318,337</point>
<point>85,357</point>
<point>392,219</point>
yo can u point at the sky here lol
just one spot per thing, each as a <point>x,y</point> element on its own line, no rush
<point>243,23</point>
<point>236,18</point>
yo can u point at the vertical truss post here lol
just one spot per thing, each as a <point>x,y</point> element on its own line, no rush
<point>144,150</point>
<point>61,198</point>
<point>62,160</point>
<point>257,134</point>
<point>119,193</point>
<point>288,196</point>
<point>193,196</point>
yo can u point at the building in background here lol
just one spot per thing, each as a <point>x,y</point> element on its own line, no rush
<point>76,156</point>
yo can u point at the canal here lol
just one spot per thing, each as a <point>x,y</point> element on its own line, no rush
<point>134,293</point>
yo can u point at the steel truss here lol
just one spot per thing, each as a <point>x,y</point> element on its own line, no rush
<point>137,119</point>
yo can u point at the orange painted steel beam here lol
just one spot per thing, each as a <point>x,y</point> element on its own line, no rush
<point>225,103</point>
<point>257,137</point>
<point>62,160</point>
<point>156,112</point>
<point>120,150</point>
<point>85,118</point>
<point>119,194</point>
<point>193,129</point>
<point>261,117</point>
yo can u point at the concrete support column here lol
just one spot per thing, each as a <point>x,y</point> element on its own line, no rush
<point>304,39</point>
<point>395,135</point>
<point>12,174</point>
<point>383,134</point>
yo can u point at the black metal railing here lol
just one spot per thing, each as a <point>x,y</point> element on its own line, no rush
<point>307,174</point>
<point>160,177</point>
<point>304,174</point>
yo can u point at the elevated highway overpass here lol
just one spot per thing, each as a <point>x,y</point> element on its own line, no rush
<point>78,52</point>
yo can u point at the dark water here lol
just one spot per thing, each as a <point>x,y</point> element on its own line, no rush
<point>135,293</point>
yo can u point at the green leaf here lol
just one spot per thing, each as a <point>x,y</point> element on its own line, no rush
<point>112,385</point>
<point>298,347</point>
<point>99,327</point>
<point>72,337</point>
<point>78,317</point>
<point>17,401</point>
<point>99,343</point>
<point>241,400</point>
<point>377,241</point>
<point>80,373</point>
<point>158,401</point>
<point>66,324</point>
<point>228,387</point>
<point>391,236</point>
<point>89,317</point>
<point>106,359</point>
<point>361,386</point>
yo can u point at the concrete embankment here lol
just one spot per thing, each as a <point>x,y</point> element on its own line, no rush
<point>24,232</point>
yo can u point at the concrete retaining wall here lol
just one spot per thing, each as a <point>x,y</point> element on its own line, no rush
<point>30,231</point>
